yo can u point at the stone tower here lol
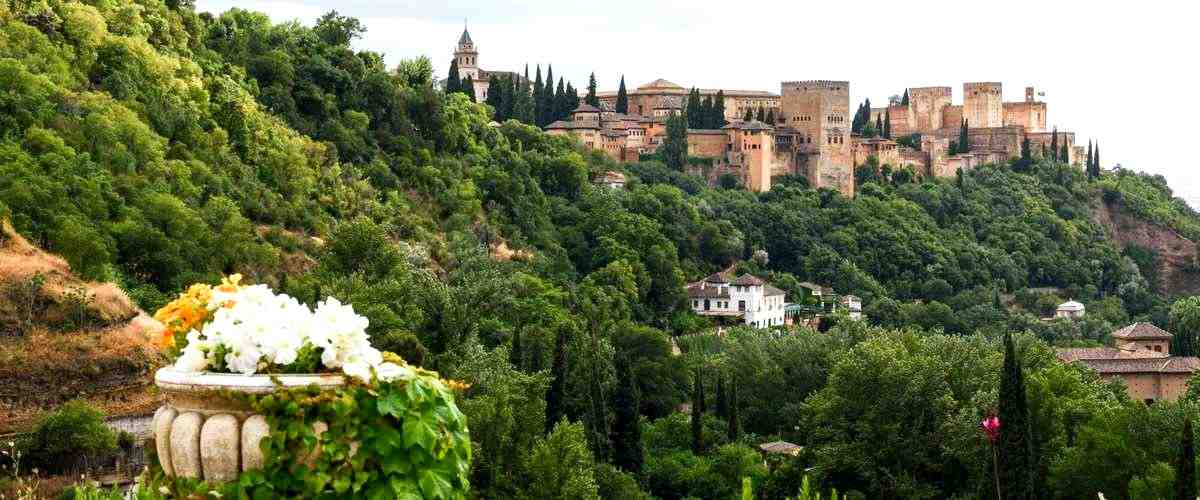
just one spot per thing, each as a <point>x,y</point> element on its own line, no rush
<point>926,105</point>
<point>819,111</point>
<point>983,105</point>
<point>467,56</point>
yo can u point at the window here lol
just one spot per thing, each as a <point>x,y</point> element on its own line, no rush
<point>1157,348</point>
<point>741,305</point>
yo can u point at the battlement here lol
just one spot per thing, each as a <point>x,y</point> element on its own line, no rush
<point>988,87</point>
<point>930,91</point>
<point>811,85</point>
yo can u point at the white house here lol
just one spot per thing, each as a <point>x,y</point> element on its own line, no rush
<point>853,306</point>
<point>1069,309</point>
<point>751,299</point>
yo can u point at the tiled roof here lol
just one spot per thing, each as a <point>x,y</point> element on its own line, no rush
<point>770,291</point>
<point>1070,354</point>
<point>700,291</point>
<point>465,38</point>
<point>750,125</point>
<point>704,131</point>
<point>660,84</point>
<point>717,278</point>
<point>572,125</point>
<point>586,108</point>
<point>1142,331</point>
<point>781,447</point>
<point>1174,364</point>
<point>1070,305</point>
<point>748,280</point>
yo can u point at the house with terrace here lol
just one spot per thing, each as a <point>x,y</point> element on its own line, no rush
<point>745,299</point>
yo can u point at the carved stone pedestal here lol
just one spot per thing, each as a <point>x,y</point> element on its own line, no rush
<point>202,433</point>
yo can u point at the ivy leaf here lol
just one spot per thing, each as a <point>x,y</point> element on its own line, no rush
<point>405,489</point>
<point>433,485</point>
<point>417,431</point>
<point>392,404</point>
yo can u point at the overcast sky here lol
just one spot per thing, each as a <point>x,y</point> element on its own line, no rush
<point>1122,73</point>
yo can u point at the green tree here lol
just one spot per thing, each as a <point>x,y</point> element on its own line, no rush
<point>452,80</point>
<point>697,420</point>
<point>1017,464</point>
<point>468,87</point>
<point>1185,463</point>
<point>1184,322</point>
<point>1064,153</point>
<point>964,141</point>
<point>75,429</point>
<point>591,91</point>
<point>1054,145</point>
<point>761,115</point>
<point>558,382</point>
<point>674,149</point>
<point>721,398</point>
<point>622,105</point>
<point>749,114</point>
<point>561,467</point>
<point>627,427</point>
<point>719,110</point>
<point>904,100</point>
<point>734,426</point>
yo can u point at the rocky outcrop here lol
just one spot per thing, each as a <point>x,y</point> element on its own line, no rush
<point>1175,256</point>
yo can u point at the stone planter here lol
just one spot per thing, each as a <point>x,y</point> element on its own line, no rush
<point>199,433</point>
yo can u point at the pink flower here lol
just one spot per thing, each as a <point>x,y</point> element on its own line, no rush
<point>991,426</point>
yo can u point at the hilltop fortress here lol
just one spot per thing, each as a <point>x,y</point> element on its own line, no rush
<point>808,132</point>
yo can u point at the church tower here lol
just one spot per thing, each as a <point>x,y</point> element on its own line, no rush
<point>466,56</point>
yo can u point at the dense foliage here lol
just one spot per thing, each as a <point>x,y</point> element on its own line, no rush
<point>154,146</point>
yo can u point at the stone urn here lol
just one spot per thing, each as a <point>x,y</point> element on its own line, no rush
<point>201,433</point>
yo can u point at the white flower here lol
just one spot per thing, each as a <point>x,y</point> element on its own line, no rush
<point>388,372</point>
<point>192,359</point>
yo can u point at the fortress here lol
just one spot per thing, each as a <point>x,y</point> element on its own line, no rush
<point>809,133</point>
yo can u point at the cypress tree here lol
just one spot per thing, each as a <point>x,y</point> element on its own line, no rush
<point>674,148</point>
<point>964,144</point>
<point>697,415</point>
<point>1185,464</point>
<point>904,100</point>
<point>558,382</point>
<point>887,124</point>
<point>749,115</point>
<point>494,95</point>
<point>1017,464</point>
<point>1096,157</point>
<point>734,425</point>
<point>591,93</point>
<point>452,82</point>
<point>468,87</point>
<point>622,98</point>
<point>1088,166</point>
<point>549,105</point>
<point>538,97</point>
<point>879,124</point>
<point>515,357</point>
<point>762,115</point>
<point>1064,154</point>
<point>1054,145</point>
<point>571,99</point>
<point>627,429</point>
<point>706,107</point>
<point>771,116</point>
<point>719,110</point>
<point>523,109</point>
<point>692,109</point>
<point>560,102</point>
<point>598,419</point>
<point>722,408</point>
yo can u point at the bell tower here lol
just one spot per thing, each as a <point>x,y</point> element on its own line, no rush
<point>466,56</point>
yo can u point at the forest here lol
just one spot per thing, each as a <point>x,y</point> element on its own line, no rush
<point>154,146</point>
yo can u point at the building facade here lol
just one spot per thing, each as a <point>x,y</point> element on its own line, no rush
<point>1141,357</point>
<point>746,299</point>
<point>466,55</point>
<point>660,97</point>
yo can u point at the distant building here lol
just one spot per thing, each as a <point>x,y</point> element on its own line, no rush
<point>1142,358</point>
<point>746,298</point>
<point>610,179</point>
<point>467,57</point>
<point>852,305</point>
<point>1069,309</point>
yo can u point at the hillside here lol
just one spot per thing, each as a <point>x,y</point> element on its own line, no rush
<point>65,338</point>
<point>151,146</point>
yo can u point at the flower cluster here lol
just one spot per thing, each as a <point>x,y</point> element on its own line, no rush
<point>251,329</point>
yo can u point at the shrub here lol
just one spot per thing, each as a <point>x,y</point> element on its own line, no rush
<point>75,429</point>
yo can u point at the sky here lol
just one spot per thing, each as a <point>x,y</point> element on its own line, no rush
<point>1121,73</point>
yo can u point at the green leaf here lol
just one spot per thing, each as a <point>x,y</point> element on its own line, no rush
<point>417,431</point>
<point>392,404</point>
<point>434,485</point>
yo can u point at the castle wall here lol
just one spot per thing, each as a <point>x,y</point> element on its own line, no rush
<point>952,117</point>
<point>820,110</point>
<point>983,104</point>
<point>900,120</point>
<point>707,143</point>
<point>927,105</point>
<point>1031,115</point>
<point>1043,139</point>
